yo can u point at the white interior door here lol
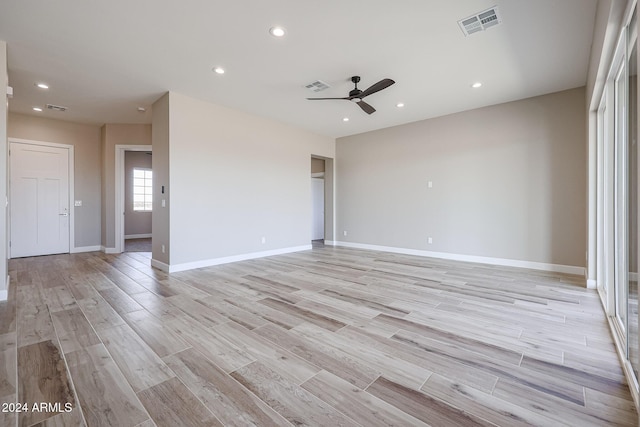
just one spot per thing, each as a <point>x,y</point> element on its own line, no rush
<point>39,195</point>
<point>317,194</point>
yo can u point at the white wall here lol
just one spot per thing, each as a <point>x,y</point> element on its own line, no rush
<point>235,178</point>
<point>509,182</point>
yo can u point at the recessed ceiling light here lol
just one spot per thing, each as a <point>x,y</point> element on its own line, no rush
<point>219,70</point>
<point>476,85</point>
<point>42,85</point>
<point>400,104</point>
<point>277,31</point>
<point>141,109</point>
<point>38,109</point>
<point>346,119</point>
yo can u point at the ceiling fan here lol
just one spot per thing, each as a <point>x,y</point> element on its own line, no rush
<point>356,94</point>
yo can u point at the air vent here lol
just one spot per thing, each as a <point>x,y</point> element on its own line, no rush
<point>317,86</point>
<point>480,21</point>
<point>56,107</point>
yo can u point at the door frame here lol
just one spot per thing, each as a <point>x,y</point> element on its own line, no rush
<point>71,157</point>
<point>120,190</point>
<point>319,176</point>
<point>329,199</point>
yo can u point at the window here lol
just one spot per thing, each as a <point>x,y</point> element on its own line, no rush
<point>142,193</point>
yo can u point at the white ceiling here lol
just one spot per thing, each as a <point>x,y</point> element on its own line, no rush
<point>103,59</point>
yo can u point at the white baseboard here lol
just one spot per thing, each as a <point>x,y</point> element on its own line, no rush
<point>569,269</point>
<point>591,284</point>
<point>109,250</point>
<point>329,243</point>
<point>4,294</point>
<point>137,236</point>
<point>226,260</point>
<point>80,249</point>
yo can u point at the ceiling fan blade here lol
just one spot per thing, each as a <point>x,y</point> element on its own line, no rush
<point>366,107</point>
<point>376,87</point>
<point>320,99</point>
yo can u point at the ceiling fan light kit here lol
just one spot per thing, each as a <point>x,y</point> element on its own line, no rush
<point>356,95</point>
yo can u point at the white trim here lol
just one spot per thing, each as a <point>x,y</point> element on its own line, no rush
<point>80,249</point>
<point>330,243</point>
<point>72,183</point>
<point>109,250</point>
<point>119,192</point>
<point>317,175</point>
<point>469,258</point>
<point>137,236</point>
<point>37,142</point>
<point>591,284</point>
<point>226,260</point>
<point>4,294</point>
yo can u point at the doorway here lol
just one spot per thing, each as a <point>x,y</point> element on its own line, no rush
<point>134,180</point>
<point>40,191</point>
<point>317,201</point>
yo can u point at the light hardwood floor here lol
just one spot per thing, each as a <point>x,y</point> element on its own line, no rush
<point>328,337</point>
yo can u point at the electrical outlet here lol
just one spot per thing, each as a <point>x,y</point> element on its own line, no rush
<point>344,233</point>
<point>162,248</point>
<point>430,240</point>
<point>430,184</point>
<point>264,240</point>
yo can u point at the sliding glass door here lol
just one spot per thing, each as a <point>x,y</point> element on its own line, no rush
<point>618,198</point>
<point>621,271</point>
<point>632,200</point>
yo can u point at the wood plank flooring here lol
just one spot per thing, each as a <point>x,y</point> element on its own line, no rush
<point>326,337</point>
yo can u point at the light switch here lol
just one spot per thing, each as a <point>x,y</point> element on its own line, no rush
<point>430,184</point>
<point>77,203</point>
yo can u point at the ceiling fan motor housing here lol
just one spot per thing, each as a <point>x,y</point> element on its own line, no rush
<point>355,91</point>
<point>356,94</point>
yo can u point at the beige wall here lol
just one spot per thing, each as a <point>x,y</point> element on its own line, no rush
<point>317,165</point>
<point>4,241</point>
<point>86,142</point>
<point>160,215</point>
<point>103,187</point>
<point>235,178</point>
<point>509,181</point>
<point>135,222</point>
<point>112,135</point>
